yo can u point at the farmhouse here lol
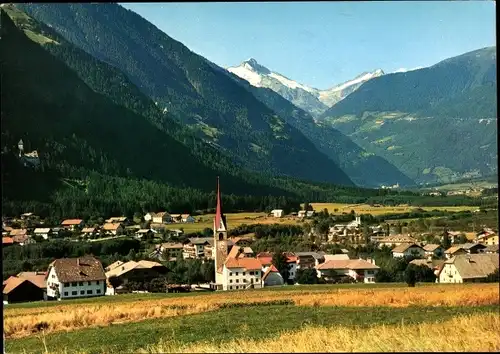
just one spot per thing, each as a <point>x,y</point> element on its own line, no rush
<point>72,224</point>
<point>433,250</point>
<point>26,286</point>
<point>158,218</point>
<point>69,278</point>
<point>43,232</point>
<point>468,268</point>
<point>407,250</point>
<point>358,269</point>
<point>145,233</point>
<point>118,220</point>
<point>186,218</point>
<point>113,229</point>
<point>277,213</point>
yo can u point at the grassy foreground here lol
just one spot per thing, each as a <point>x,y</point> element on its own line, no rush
<point>214,321</point>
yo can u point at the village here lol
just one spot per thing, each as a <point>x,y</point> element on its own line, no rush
<point>236,265</point>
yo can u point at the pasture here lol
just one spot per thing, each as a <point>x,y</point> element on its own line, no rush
<point>289,318</point>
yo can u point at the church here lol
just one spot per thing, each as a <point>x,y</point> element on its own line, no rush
<point>233,270</point>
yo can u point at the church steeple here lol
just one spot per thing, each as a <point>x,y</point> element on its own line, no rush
<point>219,221</point>
<point>220,238</point>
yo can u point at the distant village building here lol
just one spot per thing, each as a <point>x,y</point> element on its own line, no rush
<point>26,286</point>
<point>407,250</point>
<point>358,269</point>
<point>277,213</point>
<point>141,271</point>
<point>30,159</point>
<point>72,224</point>
<point>113,229</point>
<point>272,277</point>
<point>43,232</point>
<point>467,268</point>
<point>158,218</point>
<point>433,250</point>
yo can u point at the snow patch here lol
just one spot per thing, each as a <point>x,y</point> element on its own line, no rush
<point>246,73</point>
<point>358,80</point>
<point>290,83</point>
<point>404,70</point>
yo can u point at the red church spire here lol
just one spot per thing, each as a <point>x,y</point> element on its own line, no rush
<point>218,211</point>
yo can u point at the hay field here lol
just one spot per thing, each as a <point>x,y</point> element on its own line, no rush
<point>233,220</point>
<point>367,209</point>
<point>23,321</point>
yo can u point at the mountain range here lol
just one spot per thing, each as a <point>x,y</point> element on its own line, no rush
<point>310,99</point>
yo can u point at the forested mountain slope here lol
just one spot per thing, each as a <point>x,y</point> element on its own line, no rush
<point>434,124</point>
<point>185,85</point>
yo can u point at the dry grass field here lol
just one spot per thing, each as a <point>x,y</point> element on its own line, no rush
<point>458,334</point>
<point>367,209</point>
<point>24,321</point>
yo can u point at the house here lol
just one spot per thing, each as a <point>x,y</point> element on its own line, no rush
<point>433,250</point>
<point>310,213</point>
<point>195,248</point>
<point>434,264</point>
<point>454,251</point>
<point>171,247</point>
<point>465,248</point>
<point>396,240</point>
<point>141,271</point>
<point>265,259</point>
<point>241,273</point>
<point>89,231</point>
<point>118,220</point>
<point>69,278</point>
<point>491,249</point>
<point>408,250</point>
<point>488,239</point>
<point>467,268</point>
<point>356,223</point>
<point>186,218</point>
<point>43,232</point>
<point>113,229</point>
<point>336,257</point>
<point>28,216</point>
<point>26,286</point>
<point>272,277</point>
<point>305,213</point>
<point>72,224</point>
<point>277,213</point>
<point>453,236</point>
<point>20,236</point>
<point>176,217</point>
<point>240,252</point>
<point>301,214</point>
<point>308,259</point>
<point>358,269</point>
<point>18,232</point>
<point>158,218</point>
<point>145,233</point>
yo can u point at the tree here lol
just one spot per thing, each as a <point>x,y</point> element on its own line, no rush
<point>307,276</point>
<point>410,275</point>
<point>279,261</point>
<point>115,282</point>
<point>493,277</point>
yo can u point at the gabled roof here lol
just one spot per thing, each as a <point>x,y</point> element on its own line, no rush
<point>114,265</point>
<point>72,222</point>
<point>430,247</point>
<point>200,240</point>
<point>246,263</point>
<point>185,216</point>
<point>433,264</point>
<point>271,269</point>
<point>116,219</point>
<point>355,264</point>
<point>398,238</point>
<point>171,245</point>
<point>7,240</point>
<point>111,227</point>
<point>88,230</point>
<point>85,268</point>
<point>471,266</point>
<point>468,246</point>
<point>42,230</point>
<point>316,255</point>
<point>336,257</point>
<point>18,232</point>
<point>404,246</point>
<point>37,278</point>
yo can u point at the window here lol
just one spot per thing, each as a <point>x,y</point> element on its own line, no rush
<point>89,292</point>
<point>251,273</point>
<point>98,291</point>
<point>243,273</point>
<point>244,280</point>
<point>97,282</point>
<point>73,283</point>
<point>230,288</point>
<point>237,280</point>
<point>230,280</point>
<point>74,293</point>
<point>82,292</point>
<point>90,283</point>
<point>65,293</point>
<point>80,283</point>
<point>236,273</point>
<point>230,274</point>
<point>53,275</point>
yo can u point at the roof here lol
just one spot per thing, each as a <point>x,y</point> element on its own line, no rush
<point>185,216</point>
<point>398,238</point>
<point>114,265</point>
<point>201,240</point>
<point>7,240</point>
<point>171,245</point>
<point>144,231</point>
<point>27,214</point>
<point>312,254</point>
<point>336,257</point>
<point>247,263</point>
<point>347,264</point>
<point>435,263</point>
<point>491,248</point>
<point>42,230</point>
<point>271,269</point>
<point>72,222</point>
<point>403,247</point>
<point>468,246</point>
<point>127,267</point>
<point>277,211</point>
<point>37,278</point>
<point>85,268</point>
<point>161,214</point>
<point>88,229</point>
<point>110,226</point>
<point>430,247</point>
<point>116,219</point>
<point>11,283</point>
<point>479,266</point>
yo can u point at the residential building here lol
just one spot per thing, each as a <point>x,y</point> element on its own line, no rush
<point>176,217</point>
<point>301,214</point>
<point>465,248</point>
<point>69,278</point>
<point>433,250</point>
<point>142,271</point>
<point>491,249</point>
<point>158,218</point>
<point>145,233</point>
<point>195,248</point>
<point>43,232</point>
<point>336,257</point>
<point>454,251</point>
<point>113,229</point>
<point>272,277</point>
<point>277,213</point>
<point>89,231</point>
<point>358,269</point>
<point>467,268</point>
<point>170,247</point>
<point>407,250</point>
<point>308,259</point>
<point>26,286</point>
<point>118,220</point>
<point>72,224</point>
<point>241,273</point>
<point>488,239</point>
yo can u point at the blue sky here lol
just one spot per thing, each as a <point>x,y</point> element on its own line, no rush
<point>325,43</point>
